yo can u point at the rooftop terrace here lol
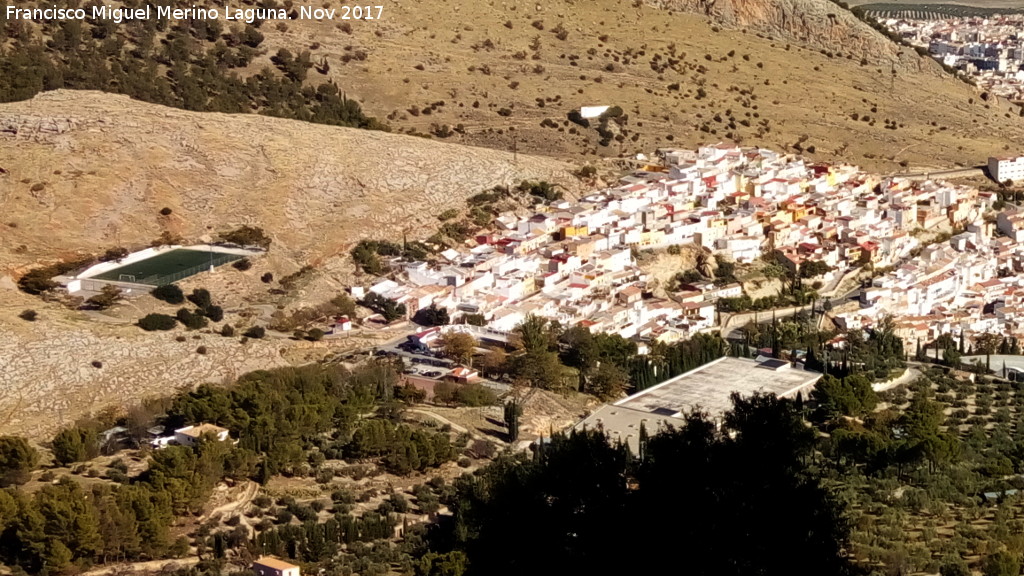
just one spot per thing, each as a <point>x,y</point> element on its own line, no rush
<point>707,387</point>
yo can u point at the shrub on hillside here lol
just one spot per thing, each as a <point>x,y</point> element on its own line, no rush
<point>106,298</point>
<point>201,298</point>
<point>29,315</point>
<point>247,236</point>
<point>214,313</point>
<point>39,280</point>
<point>151,322</point>
<point>169,293</point>
<point>191,320</point>
<point>114,254</point>
<point>256,332</point>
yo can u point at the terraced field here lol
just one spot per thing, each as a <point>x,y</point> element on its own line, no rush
<point>934,11</point>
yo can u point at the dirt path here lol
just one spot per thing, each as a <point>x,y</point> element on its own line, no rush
<point>238,505</point>
<point>909,375</point>
<point>151,566</point>
<point>456,427</point>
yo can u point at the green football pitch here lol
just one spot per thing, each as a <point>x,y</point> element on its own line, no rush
<point>167,267</point>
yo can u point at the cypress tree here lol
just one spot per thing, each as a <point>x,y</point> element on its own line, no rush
<point>512,413</point>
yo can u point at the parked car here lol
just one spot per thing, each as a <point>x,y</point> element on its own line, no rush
<point>432,374</point>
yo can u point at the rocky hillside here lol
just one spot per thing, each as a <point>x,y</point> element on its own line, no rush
<point>773,74</point>
<point>795,74</point>
<point>819,24</point>
<point>84,171</point>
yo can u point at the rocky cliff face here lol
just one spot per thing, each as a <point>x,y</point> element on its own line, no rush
<point>819,24</point>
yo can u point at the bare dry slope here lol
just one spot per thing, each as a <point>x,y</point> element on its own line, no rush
<point>85,171</point>
<point>679,77</point>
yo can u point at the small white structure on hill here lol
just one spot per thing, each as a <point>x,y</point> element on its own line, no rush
<point>592,111</point>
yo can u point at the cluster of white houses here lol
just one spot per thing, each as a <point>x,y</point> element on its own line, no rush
<point>990,50</point>
<point>572,261</point>
<point>972,285</point>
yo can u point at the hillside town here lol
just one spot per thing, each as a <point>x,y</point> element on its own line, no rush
<point>989,50</point>
<point>939,265</point>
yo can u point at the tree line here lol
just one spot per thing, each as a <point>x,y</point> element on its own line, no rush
<point>286,420</point>
<point>194,64</point>
<point>734,501</point>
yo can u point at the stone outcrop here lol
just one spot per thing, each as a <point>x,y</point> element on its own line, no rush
<point>819,24</point>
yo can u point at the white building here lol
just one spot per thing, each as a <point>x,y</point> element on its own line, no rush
<point>272,566</point>
<point>189,435</point>
<point>1006,168</point>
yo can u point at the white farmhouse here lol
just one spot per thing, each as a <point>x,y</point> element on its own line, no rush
<point>189,435</point>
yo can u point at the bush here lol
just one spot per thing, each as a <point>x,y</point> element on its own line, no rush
<point>475,395</point>
<point>38,280</point>
<point>114,254</point>
<point>106,298</point>
<point>242,265</point>
<point>29,315</point>
<point>267,278</point>
<point>191,320</point>
<point>214,313</point>
<point>75,445</point>
<point>256,332</point>
<point>169,293</point>
<point>247,236</point>
<point>151,322</point>
<point>17,460</point>
<point>166,211</point>
<point>431,316</point>
<point>228,331</point>
<point>201,298</point>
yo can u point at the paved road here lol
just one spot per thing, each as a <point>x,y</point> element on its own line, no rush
<point>948,173</point>
<point>735,322</point>
<point>425,362</point>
